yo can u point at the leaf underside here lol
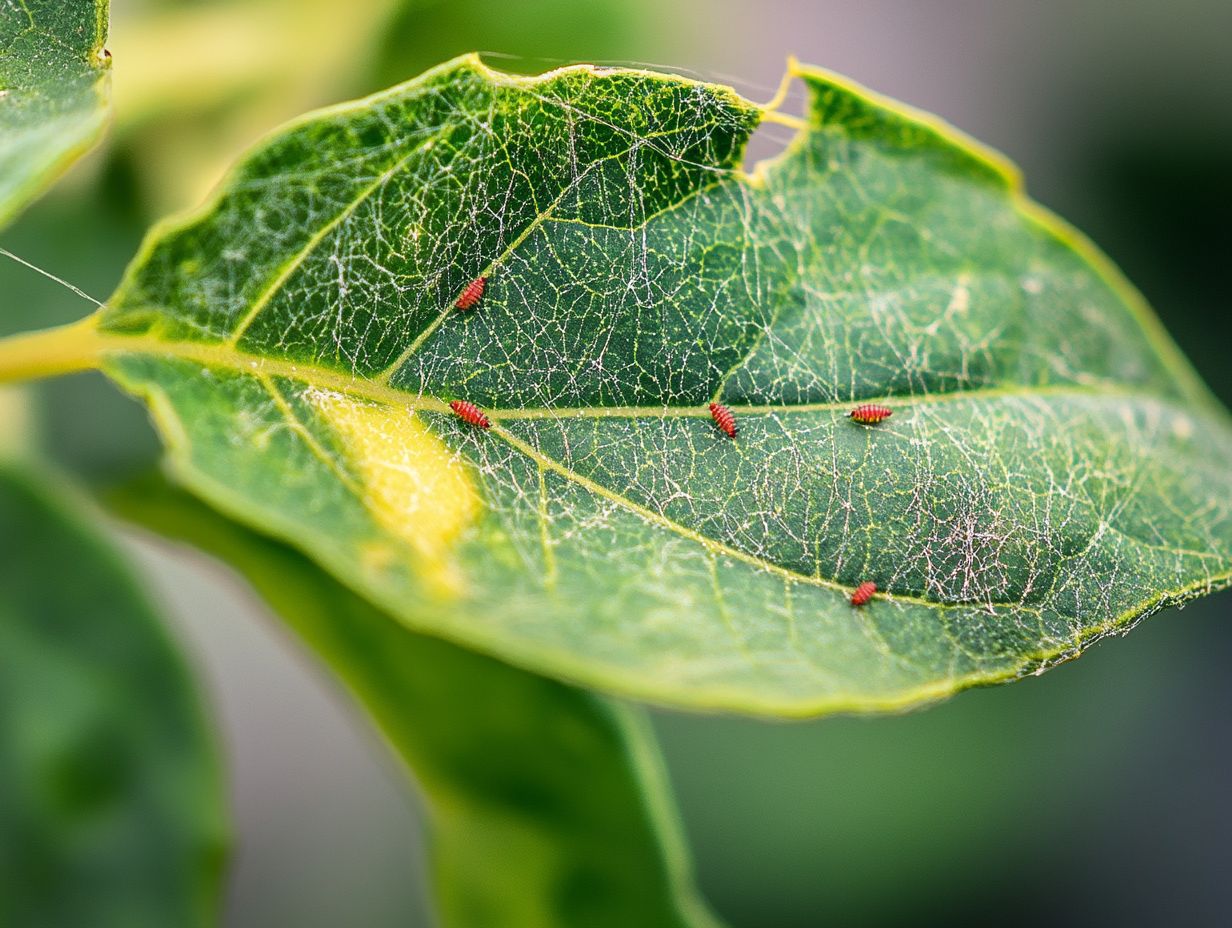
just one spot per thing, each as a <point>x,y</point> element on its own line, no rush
<point>547,807</point>
<point>53,91</point>
<point>111,810</point>
<point>1052,471</point>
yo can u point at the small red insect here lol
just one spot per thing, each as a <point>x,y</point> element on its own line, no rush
<point>723,418</point>
<point>471,293</point>
<point>863,593</point>
<point>870,413</point>
<point>470,414</point>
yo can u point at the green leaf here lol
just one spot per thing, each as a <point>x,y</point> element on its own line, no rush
<point>54,75</point>
<point>111,808</point>
<point>1052,472</point>
<point>200,81</point>
<point>547,804</point>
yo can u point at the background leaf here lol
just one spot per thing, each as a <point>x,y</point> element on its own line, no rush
<point>111,810</point>
<point>197,82</point>
<point>111,807</point>
<point>53,91</point>
<point>547,803</point>
<point>1054,470</point>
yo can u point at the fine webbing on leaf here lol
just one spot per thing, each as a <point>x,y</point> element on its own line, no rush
<point>1052,470</point>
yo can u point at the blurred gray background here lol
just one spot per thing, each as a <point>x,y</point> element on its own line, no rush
<point>1095,794</point>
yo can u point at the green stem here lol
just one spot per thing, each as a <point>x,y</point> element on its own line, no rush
<point>50,352</point>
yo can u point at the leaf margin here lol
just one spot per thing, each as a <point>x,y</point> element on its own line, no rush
<point>39,180</point>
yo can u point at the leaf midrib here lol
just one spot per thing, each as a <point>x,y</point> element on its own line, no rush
<point>226,357</point>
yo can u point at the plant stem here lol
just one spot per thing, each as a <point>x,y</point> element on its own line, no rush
<point>50,352</point>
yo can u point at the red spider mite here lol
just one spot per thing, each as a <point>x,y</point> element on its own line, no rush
<point>472,293</point>
<point>864,592</point>
<point>470,414</point>
<point>723,418</point>
<point>870,413</point>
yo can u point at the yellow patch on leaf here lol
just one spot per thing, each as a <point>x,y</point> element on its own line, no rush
<point>415,487</point>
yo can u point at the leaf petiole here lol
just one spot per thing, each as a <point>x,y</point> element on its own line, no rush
<point>46,353</point>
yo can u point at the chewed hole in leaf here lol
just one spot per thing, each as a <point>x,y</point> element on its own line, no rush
<point>784,117</point>
<point>768,141</point>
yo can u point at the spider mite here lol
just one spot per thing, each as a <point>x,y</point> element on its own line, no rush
<point>723,418</point>
<point>870,413</point>
<point>470,414</point>
<point>471,293</point>
<point>863,593</point>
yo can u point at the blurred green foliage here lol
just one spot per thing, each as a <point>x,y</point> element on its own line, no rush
<point>110,806</point>
<point>53,92</point>
<point>547,804</point>
<point>939,817</point>
<point>528,37</point>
